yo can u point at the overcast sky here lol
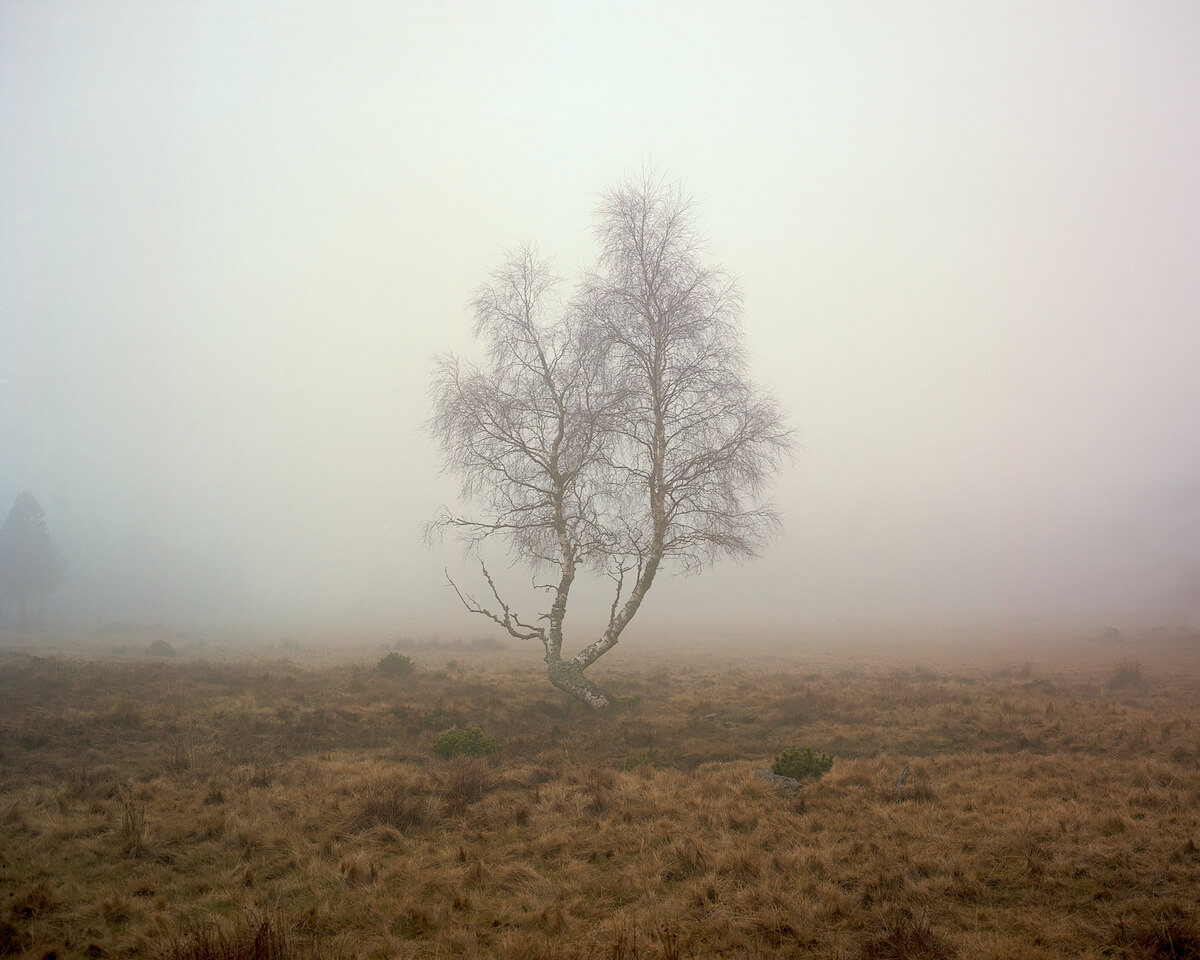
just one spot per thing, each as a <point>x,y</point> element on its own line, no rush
<point>234,234</point>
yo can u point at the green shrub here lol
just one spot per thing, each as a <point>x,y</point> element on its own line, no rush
<point>396,665</point>
<point>802,764</point>
<point>468,742</point>
<point>436,719</point>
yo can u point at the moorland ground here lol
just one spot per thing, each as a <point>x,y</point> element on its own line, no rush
<point>261,806</point>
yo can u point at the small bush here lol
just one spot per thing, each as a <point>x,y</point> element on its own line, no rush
<point>396,665</point>
<point>436,719</point>
<point>802,764</point>
<point>468,742</point>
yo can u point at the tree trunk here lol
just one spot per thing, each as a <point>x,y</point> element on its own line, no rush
<point>570,680</point>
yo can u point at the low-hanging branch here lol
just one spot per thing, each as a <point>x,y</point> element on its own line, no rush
<point>510,621</point>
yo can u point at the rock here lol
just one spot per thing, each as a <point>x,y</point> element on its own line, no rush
<point>787,783</point>
<point>160,648</point>
<point>710,716</point>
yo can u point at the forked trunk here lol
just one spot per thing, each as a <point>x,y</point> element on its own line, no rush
<point>569,678</point>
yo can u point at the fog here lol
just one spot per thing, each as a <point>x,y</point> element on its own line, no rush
<point>234,235</point>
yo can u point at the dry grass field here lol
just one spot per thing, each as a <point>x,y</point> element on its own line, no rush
<point>191,808</point>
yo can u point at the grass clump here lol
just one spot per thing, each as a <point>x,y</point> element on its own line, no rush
<point>396,665</point>
<point>135,833</point>
<point>256,938</point>
<point>468,742</point>
<point>906,937</point>
<point>1127,672</point>
<point>802,764</point>
<point>12,941</point>
<point>393,803</point>
<point>647,758</point>
<point>1170,932</point>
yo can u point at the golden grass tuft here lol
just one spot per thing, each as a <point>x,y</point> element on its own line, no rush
<point>905,936</point>
<point>396,802</point>
<point>1126,672</point>
<point>134,830</point>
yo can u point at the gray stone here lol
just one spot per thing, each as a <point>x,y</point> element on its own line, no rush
<point>788,784</point>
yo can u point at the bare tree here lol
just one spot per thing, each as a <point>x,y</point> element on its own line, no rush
<point>612,432</point>
<point>526,434</point>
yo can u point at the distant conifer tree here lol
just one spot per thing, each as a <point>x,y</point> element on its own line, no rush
<point>30,563</point>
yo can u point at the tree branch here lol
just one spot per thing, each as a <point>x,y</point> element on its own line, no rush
<point>510,621</point>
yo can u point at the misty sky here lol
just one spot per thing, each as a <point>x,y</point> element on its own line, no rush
<point>234,234</point>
